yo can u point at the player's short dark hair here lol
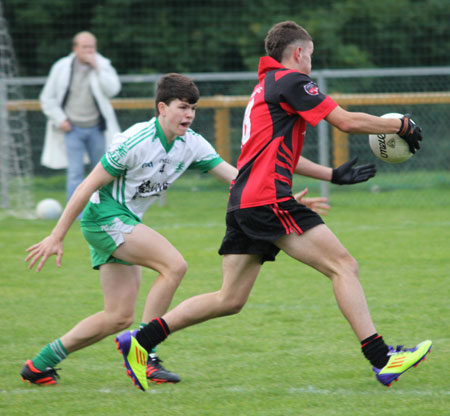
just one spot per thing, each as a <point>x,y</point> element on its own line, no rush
<point>176,86</point>
<point>282,35</point>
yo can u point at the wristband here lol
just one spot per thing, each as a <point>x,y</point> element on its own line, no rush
<point>402,120</point>
<point>404,126</point>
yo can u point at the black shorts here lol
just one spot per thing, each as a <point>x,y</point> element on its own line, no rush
<point>254,230</point>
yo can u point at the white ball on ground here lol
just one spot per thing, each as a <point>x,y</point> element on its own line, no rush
<point>48,209</point>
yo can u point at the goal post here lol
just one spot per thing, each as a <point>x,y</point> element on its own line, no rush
<point>16,169</point>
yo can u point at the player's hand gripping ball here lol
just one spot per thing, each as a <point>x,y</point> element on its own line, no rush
<point>397,148</point>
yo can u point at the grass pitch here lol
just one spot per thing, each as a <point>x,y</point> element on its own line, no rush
<point>289,352</point>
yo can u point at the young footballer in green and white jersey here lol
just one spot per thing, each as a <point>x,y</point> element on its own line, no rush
<point>142,163</point>
<point>145,164</point>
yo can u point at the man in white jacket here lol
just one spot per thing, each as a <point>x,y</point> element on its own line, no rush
<point>81,120</point>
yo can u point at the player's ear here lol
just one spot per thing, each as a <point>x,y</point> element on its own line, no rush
<point>161,108</point>
<point>295,54</point>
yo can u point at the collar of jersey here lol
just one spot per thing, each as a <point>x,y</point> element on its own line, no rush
<point>163,139</point>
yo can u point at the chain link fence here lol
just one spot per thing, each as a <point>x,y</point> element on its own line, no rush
<point>218,43</point>
<point>145,36</point>
<point>424,92</point>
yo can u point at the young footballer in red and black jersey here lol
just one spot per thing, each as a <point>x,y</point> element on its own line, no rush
<point>274,128</point>
<point>263,217</point>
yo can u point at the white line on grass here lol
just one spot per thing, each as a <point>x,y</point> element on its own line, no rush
<point>400,226</point>
<point>246,390</point>
<point>320,391</point>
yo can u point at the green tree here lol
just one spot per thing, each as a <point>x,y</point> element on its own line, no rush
<point>149,36</point>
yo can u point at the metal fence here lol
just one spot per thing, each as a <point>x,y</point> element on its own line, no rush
<point>228,35</point>
<point>424,92</point>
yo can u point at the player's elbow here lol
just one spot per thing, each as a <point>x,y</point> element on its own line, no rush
<point>346,121</point>
<point>348,125</point>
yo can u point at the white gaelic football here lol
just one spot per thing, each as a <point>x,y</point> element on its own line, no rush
<point>390,148</point>
<point>48,209</point>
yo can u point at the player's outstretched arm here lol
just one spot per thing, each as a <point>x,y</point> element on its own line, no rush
<point>356,122</point>
<point>224,171</point>
<point>306,167</point>
<point>346,174</point>
<point>53,244</point>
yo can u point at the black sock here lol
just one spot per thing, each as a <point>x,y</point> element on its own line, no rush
<point>152,334</point>
<point>375,350</point>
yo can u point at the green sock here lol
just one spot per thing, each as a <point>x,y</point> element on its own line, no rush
<point>50,355</point>
<point>141,325</point>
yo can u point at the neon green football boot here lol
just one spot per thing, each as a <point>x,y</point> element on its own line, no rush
<point>400,360</point>
<point>135,357</point>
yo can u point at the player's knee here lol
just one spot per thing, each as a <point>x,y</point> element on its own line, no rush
<point>232,306</point>
<point>178,269</point>
<point>173,271</point>
<point>121,321</point>
<point>351,265</point>
<point>348,266</point>
<point>343,266</point>
<point>182,267</point>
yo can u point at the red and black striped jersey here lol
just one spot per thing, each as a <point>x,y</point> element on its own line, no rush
<point>273,132</point>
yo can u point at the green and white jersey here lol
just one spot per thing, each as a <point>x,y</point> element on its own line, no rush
<point>145,165</point>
